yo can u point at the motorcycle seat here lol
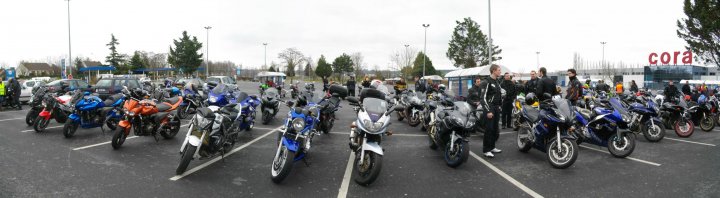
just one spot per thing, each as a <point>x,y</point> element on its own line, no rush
<point>108,102</point>
<point>531,113</point>
<point>172,100</point>
<point>157,117</point>
<point>162,107</point>
<point>206,113</point>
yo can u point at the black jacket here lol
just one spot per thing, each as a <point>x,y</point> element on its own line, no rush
<point>686,89</point>
<point>491,94</point>
<point>545,85</point>
<point>350,84</point>
<point>474,94</point>
<point>634,88</point>
<point>671,93</point>
<point>574,87</point>
<point>510,91</point>
<point>531,86</point>
<point>366,83</point>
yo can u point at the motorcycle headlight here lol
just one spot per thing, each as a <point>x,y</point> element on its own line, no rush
<point>369,125</point>
<point>212,99</point>
<point>298,124</point>
<point>625,118</point>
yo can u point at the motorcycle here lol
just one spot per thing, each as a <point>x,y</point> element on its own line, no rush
<point>92,112</point>
<point>294,91</point>
<point>192,101</point>
<point>645,119</point>
<point>678,116</point>
<point>413,106</point>
<point>450,127</point>
<point>548,129</point>
<point>147,117</point>
<point>295,137</point>
<point>35,103</point>
<point>270,105</point>
<point>373,120</point>
<point>57,107</point>
<point>220,95</point>
<point>601,127</point>
<point>705,114</point>
<point>210,134</point>
<point>329,105</point>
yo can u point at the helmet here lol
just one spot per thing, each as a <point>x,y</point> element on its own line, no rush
<point>687,97</point>
<point>174,91</point>
<point>376,83</point>
<point>530,98</point>
<point>441,87</point>
<point>702,99</point>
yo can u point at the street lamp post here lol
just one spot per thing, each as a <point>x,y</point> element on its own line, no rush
<point>538,60</point>
<point>265,44</point>
<point>602,64</point>
<point>425,47</point>
<point>490,46</point>
<point>69,62</point>
<point>207,51</point>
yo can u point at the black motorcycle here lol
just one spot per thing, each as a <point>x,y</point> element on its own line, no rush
<point>450,127</point>
<point>704,116</point>
<point>329,106</point>
<point>36,102</point>
<point>270,105</point>
<point>413,107</point>
<point>678,116</point>
<point>294,91</point>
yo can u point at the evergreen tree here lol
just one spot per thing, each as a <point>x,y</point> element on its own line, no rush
<point>185,56</point>
<point>323,68</point>
<point>469,46</point>
<point>114,58</point>
<point>418,66</point>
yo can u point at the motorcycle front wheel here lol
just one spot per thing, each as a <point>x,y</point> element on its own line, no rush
<point>40,124</point>
<point>187,156</point>
<point>69,129</point>
<point>562,155</point>
<point>684,130</point>
<point>282,164</point>
<point>653,133</point>
<point>367,172</point>
<point>414,120</point>
<point>30,116</point>
<point>459,154</point>
<point>523,139</point>
<point>119,137</point>
<point>623,146</point>
<point>266,117</point>
<point>707,123</point>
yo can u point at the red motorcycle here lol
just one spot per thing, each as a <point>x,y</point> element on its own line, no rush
<point>57,107</point>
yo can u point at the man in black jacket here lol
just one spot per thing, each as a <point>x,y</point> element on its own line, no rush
<point>686,88</point>
<point>545,85</point>
<point>510,94</point>
<point>490,100</point>
<point>351,86</point>
<point>474,93</point>
<point>531,85</point>
<point>574,90</point>
<point>671,92</point>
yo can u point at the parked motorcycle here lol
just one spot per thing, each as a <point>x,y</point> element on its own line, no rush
<point>548,129</point>
<point>450,127</point>
<point>645,119</point>
<point>373,120</point>
<point>270,105</point>
<point>705,114</point>
<point>329,105</point>
<point>147,117</point>
<point>36,104</point>
<point>413,107</point>
<point>192,100</point>
<point>92,112</point>
<point>57,107</point>
<point>210,134</point>
<point>220,95</point>
<point>294,91</point>
<point>678,116</point>
<point>602,127</point>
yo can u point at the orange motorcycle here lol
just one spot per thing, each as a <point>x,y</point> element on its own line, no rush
<point>148,117</point>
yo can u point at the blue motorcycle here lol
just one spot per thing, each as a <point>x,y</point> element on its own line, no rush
<point>192,101</point>
<point>248,111</point>
<point>220,95</point>
<point>296,136</point>
<point>92,112</point>
<point>602,127</point>
<point>646,118</point>
<point>548,129</point>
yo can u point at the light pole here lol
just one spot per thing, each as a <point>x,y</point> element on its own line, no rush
<point>207,51</point>
<point>265,44</point>
<point>490,46</point>
<point>425,47</point>
<point>69,43</point>
<point>602,64</point>
<point>538,60</point>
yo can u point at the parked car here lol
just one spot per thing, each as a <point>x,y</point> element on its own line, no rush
<point>230,82</point>
<point>72,84</point>
<point>199,83</point>
<point>27,88</point>
<point>109,86</point>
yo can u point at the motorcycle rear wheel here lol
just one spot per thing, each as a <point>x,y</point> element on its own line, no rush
<point>707,123</point>
<point>40,124</point>
<point>566,158</point>
<point>459,155</point>
<point>685,130</point>
<point>187,156</point>
<point>623,146</point>
<point>169,133</point>
<point>69,129</point>
<point>366,174</point>
<point>182,112</point>
<point>282,164</point>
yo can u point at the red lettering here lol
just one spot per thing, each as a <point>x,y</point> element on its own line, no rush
<point>675,58</point>
<point>665,58</point>
<point>687,57</point>
<point>652,59</point>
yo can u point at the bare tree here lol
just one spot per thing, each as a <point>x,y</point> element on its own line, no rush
<point>357,59</point>
<point>292,58</point>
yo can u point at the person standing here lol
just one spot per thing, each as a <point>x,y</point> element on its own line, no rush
<point>545,85</point>
<point>671,92</point>
<point>574,90</point>
<point>510,93</point>
<point>419,85</point>
<point>686,88</point>
<point>619,88</point>
<point>474,93</point>
<point>2,94</point>
<point>15,93</point>
<point>325,84</point>
<point>633,87</point>
<point>491,100</point>
<point>366,82</point>
<point>351,86</point>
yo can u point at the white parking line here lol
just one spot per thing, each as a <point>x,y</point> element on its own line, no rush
<point>506,176</point>
<point>700,143</point>
<point>31,130</point>
<point>201,166</point>
<point>11,119</point>
<point>108,142</point>
<point>342,193</point>
<point>630,158</point>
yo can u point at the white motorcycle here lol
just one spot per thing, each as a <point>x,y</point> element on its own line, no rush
<point>373,120</point>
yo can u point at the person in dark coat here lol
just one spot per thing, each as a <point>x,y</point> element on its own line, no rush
<point>686,88</point>
<point>671,92</point>
<point>15,91</point>
<point>490,101</point>
<point>325,84</point>
<point>366,82</point>
<point>510,94</point>
<point>351,86</point>
<point>419,85</point>
<point>531,85</point>
<point>574,90</point>
<point>545,85</point>
<point>633,87</point>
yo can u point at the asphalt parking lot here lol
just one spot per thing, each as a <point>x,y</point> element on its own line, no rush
<point>49,165</point>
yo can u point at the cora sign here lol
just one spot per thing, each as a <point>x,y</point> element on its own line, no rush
<point>666,58</point>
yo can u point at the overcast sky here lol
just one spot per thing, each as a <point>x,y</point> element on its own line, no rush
<point>36,29</point>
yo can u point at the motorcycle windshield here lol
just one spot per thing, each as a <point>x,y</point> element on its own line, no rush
<point>375,108</point>
<point>220,89</point>
<point>615,104</point>
<point>563,107</point>
<point>682,103</point>
<point>463,108</point>
<point>271,93</point>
